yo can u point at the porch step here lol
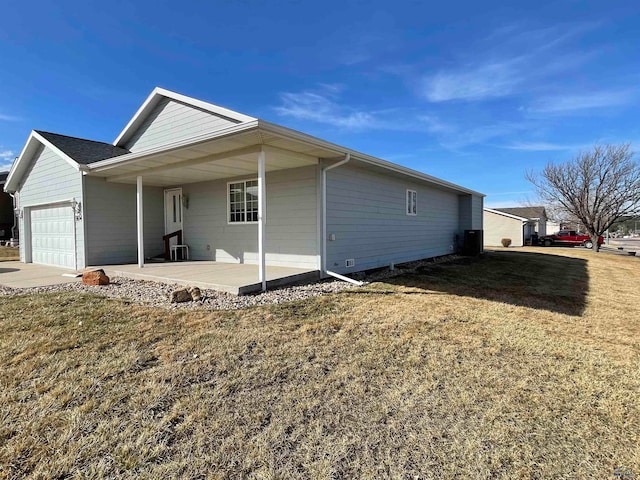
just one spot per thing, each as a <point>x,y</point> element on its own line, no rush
<point>159,259</point>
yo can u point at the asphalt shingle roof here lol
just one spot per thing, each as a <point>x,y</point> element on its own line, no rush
<point>524,212</point>
<point>81,150</point>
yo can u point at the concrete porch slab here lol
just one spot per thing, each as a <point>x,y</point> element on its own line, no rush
<point>233,278</point>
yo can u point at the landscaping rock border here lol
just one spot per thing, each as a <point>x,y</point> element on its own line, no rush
<point>143,292</point>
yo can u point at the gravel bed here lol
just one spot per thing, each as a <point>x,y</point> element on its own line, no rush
<point>157,294</point>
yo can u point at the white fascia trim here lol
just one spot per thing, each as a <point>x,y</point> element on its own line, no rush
<point>504,214</point>
<point>25,157</point>
<point>155,96</point>
<point>193,141</point>
<point>355,155</point>
<point>285,133</point>
<point>59,152</point>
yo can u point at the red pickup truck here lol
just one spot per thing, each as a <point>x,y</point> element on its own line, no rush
<point>569,238</point>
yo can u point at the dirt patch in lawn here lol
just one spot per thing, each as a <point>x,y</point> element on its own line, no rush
<point>394,380</point>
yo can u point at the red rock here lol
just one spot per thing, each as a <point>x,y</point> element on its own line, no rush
<point>95,277</point>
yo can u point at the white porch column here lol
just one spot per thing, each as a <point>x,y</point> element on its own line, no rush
<point>140,219</point>
<point>262,199</point>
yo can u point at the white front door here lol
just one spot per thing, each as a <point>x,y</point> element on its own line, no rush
<point>173,212</point>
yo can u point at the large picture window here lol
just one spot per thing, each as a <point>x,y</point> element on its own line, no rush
<point>243,201</point>
<point>412,202</point>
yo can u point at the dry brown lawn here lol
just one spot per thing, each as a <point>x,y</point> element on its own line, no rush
<point>522,364</point>
<point>9,253</point>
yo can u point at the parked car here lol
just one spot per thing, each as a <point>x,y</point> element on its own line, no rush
<point>569,238</point>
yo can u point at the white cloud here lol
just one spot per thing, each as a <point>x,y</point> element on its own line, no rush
<point>540,146</point>
<point>8,118</point>
<point>462,136</point>
<point>324,105</point>
<point>509,65</point>
<point>7,155</point>
<point>6,159</point>
<point>567,104</point>
<point>434,124</point>
<point>319,107</point>
<point>473,83</point>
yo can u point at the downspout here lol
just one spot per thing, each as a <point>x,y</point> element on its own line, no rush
<point>346,159</point>
<point>15,217</point>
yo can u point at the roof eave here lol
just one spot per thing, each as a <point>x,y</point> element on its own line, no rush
<point>280,130</point>
<point>19,165</point>
<point>132,157</point>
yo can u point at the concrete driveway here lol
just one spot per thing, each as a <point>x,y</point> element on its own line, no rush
<point>24,275</point>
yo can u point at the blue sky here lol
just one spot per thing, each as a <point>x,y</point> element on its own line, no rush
<point>472,92</point>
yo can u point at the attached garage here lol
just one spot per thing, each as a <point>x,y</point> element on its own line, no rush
<point>53,235</point>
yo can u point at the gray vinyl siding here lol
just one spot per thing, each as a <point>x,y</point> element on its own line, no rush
<point>465,214</point>
<point>470,215</point>
<point>291,221</point>
<point>477,204</point>
<point>110,210</point>
<point>366,212</point>
<point>50,179</point>
<point>172,121</point>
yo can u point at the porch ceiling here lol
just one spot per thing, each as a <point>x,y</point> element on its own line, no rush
<point>211,159</point>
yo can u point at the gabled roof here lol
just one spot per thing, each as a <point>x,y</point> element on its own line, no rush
<point>3,177</point>
<point>157,95</point>
<point>498,211</point>
<point>112,160</point>
<point>77,152</point>
<point>530,213</point>
<point>83,151</point>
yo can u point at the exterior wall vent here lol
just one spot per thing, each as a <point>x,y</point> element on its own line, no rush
<point>350,262</point>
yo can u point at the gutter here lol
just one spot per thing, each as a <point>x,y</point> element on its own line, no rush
<point>282,132</point>
<point>323,182</point>
<point>361,157</point>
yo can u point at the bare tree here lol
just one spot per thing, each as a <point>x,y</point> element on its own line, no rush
<point>597,187</point>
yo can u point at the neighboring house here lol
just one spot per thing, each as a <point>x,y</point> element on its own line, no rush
<point>7,214</point>
<point>553,227</point>
<point>520,224</point>
<point>240,189</point>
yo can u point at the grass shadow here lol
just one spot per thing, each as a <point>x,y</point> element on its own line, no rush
<point>541,281</point>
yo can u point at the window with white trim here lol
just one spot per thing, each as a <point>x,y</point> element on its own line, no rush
<point>412,202</point>
<point>243,201</point>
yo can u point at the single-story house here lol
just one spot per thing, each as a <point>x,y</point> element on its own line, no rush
<point>520,224</point>
<point>238,189</point>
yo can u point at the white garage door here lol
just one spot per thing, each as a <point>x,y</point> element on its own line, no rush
<point>52,236</point>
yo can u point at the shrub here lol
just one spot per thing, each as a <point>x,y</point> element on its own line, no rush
<point>505,242</point>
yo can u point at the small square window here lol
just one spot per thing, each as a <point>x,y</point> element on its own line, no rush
<point>412,202</point>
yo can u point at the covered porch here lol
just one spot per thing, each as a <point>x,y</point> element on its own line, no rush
<point>275,233</point>
<point>238,279</point>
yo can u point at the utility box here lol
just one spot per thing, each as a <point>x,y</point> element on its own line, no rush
<point>472,245</point>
